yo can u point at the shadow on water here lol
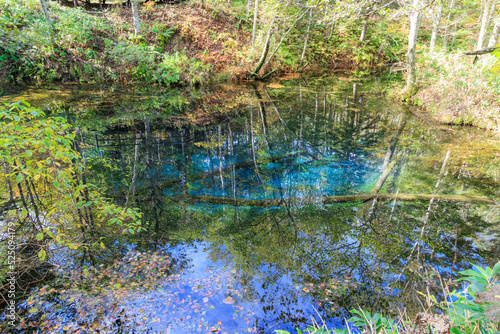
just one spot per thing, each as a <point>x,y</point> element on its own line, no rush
<point>297,203</point>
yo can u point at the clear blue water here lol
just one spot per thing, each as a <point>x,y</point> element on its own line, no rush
<point>253,267</point>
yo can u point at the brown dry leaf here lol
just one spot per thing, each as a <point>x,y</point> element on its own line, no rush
<point>491,296</point>
<point>439,322</point>
<point>275,85</point>
<point>228,300</point>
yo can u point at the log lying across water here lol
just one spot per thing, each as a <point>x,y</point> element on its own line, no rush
<point>287,202</point>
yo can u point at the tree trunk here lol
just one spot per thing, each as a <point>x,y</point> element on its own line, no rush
<point>135,14</point>
<point>411,73</point>
<point>263,57</point>
<point>494,35</point>
<point>307,37</point>
<point>46,14</point>
<point>435,27</point>
<point>451,5</point>
<point>362,38</point>
<point>75,3</point>
<point>249,6</point>
<point>484,25</point>
<point>254,29</point>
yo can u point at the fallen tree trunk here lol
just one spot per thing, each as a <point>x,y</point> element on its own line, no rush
<point>480,52</point>
<point>286,202</point>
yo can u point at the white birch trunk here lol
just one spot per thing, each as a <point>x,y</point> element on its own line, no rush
<point>135,14</point>
<point>362,38</point>
<point>484,25</point>
<point>411,73</point>
<point>249,6</point>
<point>494,35</point>
<point>307,37</point>
<point>435,26</point>
<point>451,5</point>
<point>254,30</point>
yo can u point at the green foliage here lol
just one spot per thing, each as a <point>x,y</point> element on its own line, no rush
<point>53,203</point>
<point>154,66</point>
<point>163,33</point>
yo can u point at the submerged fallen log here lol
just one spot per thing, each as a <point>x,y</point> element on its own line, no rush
<point>287,202</point>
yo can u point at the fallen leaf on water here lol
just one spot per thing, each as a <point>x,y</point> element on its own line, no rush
<point>228,300</point>
<point>275,85</point>
<point>205,300</point>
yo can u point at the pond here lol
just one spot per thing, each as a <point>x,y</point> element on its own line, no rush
<point>271,206</point>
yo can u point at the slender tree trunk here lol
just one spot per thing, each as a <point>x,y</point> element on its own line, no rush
<point>46,14</point>
<point>362,38</point>
<point>435,26</point>
<point>135,14</point>
<point>494,35</point>
<point>451,5</point>
<point>481,11</point>
<point>307,37</point>
<point>75,3</point>
<point>249,6</point>
<point>263,57</point>
<point>411,73</point>
<point>254,29</point>
<point>484,25</point>
<point>332,30</point>
<point>493,10</point>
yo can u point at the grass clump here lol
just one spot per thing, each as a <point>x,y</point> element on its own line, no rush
<point>459,92</point>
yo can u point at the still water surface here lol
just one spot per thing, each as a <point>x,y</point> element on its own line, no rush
<point>268,206</point>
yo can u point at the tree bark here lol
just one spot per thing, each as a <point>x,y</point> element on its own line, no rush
<point>435,27</point>
<point>494,35</point>
<point>484,25</point>
<point>46,14</point>
<point>307,37</point>
<point>254,29</point>
<point>263,57</point>
<point>75,3</point>
<point>362,38</point>
<point>135,14</point>
<point>451,5</point>
<point>249,6</point>
<point>411,73</point>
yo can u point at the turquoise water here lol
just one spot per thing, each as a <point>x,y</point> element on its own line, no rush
<point>266,208</point>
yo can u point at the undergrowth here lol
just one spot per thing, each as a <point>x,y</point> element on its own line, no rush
<point>460,92</point>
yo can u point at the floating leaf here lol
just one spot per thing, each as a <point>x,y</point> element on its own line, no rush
<point>228,300</point>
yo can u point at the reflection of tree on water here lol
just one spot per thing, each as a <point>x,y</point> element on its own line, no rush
<point>290,151</point>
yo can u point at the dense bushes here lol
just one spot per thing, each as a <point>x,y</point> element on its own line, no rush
<point>84,48</point>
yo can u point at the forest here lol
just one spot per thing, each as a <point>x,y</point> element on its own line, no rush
<point>250,166</point>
